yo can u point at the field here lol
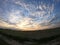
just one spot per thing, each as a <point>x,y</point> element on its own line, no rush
<point>41,37</point>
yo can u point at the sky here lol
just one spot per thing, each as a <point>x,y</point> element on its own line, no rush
<point>26,15</point>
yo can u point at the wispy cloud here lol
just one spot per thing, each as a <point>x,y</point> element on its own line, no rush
<point>29,16</point>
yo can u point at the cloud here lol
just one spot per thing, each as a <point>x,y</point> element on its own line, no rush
<point>14,17</point>
<point>5,25</point>
<point>29,16</point>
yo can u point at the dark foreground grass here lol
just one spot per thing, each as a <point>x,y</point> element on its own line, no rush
<point>41,40</point>
<point>32,34</point>
<point>2,42</point>
<point>39,37</point>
